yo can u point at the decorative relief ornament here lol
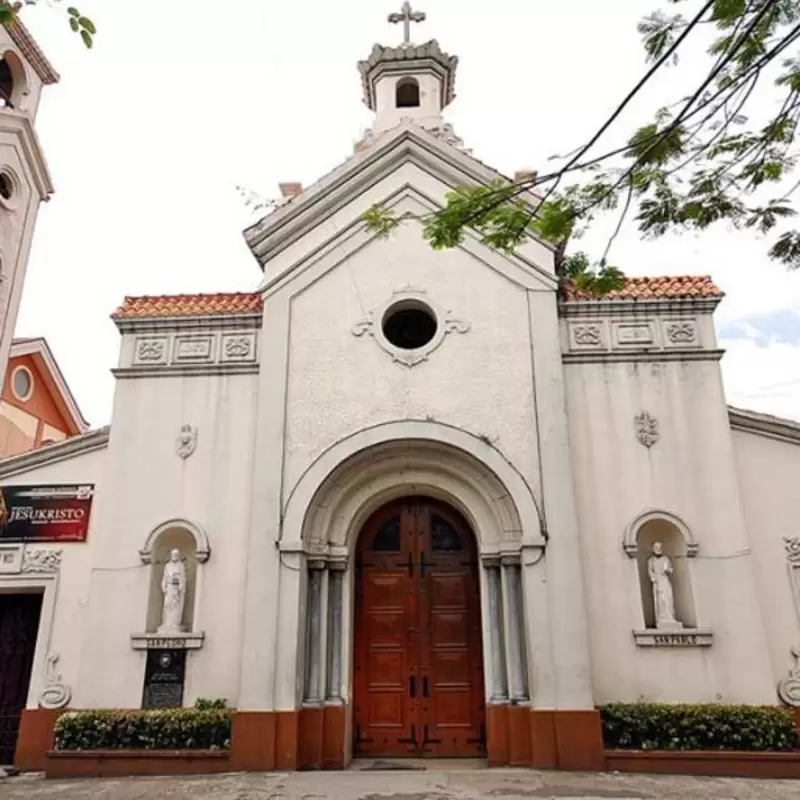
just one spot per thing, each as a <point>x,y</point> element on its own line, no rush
<point>587,335</point>
<point>55,694</point>
<point>238,347</point>
<point>646,429</point>
<point>187,441</point>
<point>41,561</point>
<point>789,687</point>
<point>681,332</point>
<point>408,298</point>
<point>150,350</point>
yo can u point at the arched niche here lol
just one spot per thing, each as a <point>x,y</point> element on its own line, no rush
<point>192,543</point>
<point>406,93</point>
<point>679,546</point>
<point>13,81</point>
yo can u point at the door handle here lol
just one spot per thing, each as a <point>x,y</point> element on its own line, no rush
<point>412,686</point>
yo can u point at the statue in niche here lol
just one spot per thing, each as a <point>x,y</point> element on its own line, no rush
<point>659,570</point>
<point>173,586</point>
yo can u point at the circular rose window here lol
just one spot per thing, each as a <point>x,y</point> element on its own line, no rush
<point>409,325</point>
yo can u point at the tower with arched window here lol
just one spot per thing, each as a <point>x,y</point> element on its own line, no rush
<point>24,179</point>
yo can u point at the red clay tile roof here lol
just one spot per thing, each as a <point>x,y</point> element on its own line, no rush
<point>190,305</point>
<point>677,287</point>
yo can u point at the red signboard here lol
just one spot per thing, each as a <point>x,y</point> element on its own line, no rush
<point>45,513</point>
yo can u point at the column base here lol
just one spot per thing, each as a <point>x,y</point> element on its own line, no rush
<point>518,736</point>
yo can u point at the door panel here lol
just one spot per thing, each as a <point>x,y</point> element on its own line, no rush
<point>418,672</point>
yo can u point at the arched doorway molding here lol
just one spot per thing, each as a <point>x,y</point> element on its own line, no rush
<point>325,513</point>
<point>361,472</point>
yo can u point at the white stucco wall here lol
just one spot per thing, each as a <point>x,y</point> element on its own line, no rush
<point>480,381</point>
<point>147,483</point>
<point>61,627</point>
<point>769,470</point>
<point>691,473</point>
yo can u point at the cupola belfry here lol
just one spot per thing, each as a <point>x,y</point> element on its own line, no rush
<point>414,82</point>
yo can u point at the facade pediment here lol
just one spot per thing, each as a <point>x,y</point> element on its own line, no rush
<point>406,144</point>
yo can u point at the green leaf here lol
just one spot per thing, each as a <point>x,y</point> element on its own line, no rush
<point>87,38</point>
<point>73,23</point>
<point>73,12</point>
<point>88,25</point>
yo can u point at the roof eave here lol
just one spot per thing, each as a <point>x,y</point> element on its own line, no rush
<point>23,39</point>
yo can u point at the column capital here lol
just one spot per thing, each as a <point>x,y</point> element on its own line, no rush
<point>317,563</point>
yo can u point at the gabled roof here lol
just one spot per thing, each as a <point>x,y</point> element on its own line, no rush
<point>189,305</point>
<point>677,287</point>
<point>780,428</point>
<point>40,351</point>
<point>22,38</point>
<point>53,453</point>
<point>406,141</point>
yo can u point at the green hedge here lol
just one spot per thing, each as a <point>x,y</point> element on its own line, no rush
<point>170,729</point>
<point>656,726</point>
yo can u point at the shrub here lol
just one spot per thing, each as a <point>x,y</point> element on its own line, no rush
<point>204,704</point>
<point>657,726</point>
<point>168,729</point>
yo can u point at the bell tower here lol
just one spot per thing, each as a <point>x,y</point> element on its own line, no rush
<point>24,178</point>
<point>409,81</point>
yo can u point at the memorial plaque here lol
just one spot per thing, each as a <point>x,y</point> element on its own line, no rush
<point>163,679</point>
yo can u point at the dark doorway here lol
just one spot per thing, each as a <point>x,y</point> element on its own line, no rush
<point>19,626</point>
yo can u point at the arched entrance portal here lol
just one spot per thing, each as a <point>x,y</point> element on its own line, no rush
<point>418,675</point>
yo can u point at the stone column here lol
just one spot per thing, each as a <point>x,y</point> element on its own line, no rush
<point>313,693</point>
<point>333,693</point>
<point>496,638</point>
<point>516,665</point>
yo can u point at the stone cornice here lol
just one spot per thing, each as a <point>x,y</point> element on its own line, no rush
<point>19,124</point>
<point>597,308</point>
<point>54,453</point>
<point>173,324</point>
<point>193,371</point>
<point>784,430</point>
<point>642,356</point>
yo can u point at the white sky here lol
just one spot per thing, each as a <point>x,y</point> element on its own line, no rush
<point>148,134</point>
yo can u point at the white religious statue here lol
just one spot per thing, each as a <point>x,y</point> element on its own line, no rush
<point>173,585</point>
<point>659,570</point>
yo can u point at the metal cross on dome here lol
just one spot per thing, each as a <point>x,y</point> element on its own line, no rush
<point>407,16</point>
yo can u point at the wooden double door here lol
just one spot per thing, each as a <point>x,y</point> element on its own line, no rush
<point>418,662</point>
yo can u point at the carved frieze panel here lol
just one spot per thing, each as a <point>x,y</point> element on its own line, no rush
<point>634,334</point>
<point>587,335</point>
<point>151,350</point>
<point>194,349</point>
<point>41,562</point>
<point>195,352</point>
<point>680,333</point>
<point>10,559</point>
<point>239,347</point>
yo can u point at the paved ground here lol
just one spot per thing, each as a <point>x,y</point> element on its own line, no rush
<point>403,785</point>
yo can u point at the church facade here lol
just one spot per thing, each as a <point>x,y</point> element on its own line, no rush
<point>406,502</point>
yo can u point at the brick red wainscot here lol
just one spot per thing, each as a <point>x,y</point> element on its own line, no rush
<point>316,739</point>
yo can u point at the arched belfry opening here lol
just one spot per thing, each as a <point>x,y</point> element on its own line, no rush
<point>407,93</point>
<point>417,634</point>
<point>6,84</point>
